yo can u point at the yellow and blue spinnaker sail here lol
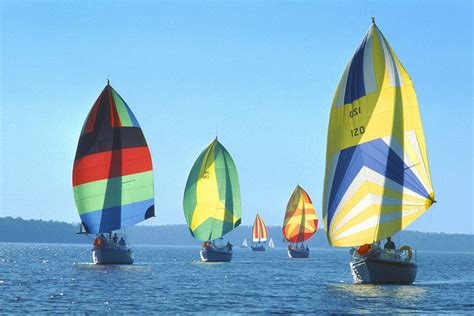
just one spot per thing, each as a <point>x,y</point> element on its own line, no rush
<point>377,177</point>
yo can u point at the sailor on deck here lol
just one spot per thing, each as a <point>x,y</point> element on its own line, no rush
<point>115,238</point>
<point>389,245</point>
<point>121,242</point>
<point>99,241</point>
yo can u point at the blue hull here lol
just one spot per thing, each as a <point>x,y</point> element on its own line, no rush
<point>298,254</point>
<point>216,255</point>
<point>367,270</point>
<point>112,255</point>
<point>258,248</point>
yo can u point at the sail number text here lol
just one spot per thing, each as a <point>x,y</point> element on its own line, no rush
<point>355,111</point>
<point>357,131</point>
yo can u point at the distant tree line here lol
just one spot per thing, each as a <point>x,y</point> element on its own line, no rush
<point>39,231</point>
<point>20,230</point>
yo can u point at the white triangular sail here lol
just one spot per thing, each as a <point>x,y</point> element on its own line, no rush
<point>271,244</point>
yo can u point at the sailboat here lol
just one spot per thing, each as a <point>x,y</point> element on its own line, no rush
<point>259,234</point>
<point>112,176</point>
<point>244,243</point>
<point>377,178</point>
<point>300,223</point>
<point>271,244</point>
<point>211,201</point>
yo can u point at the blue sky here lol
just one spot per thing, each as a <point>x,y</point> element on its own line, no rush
<point>262,73</point>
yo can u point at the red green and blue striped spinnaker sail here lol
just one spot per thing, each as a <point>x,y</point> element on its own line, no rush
<point>112,175</point>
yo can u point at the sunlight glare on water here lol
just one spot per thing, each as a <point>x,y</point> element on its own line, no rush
<point>46,278</point>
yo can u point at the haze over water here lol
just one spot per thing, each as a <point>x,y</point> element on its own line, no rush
<point>60,278</point>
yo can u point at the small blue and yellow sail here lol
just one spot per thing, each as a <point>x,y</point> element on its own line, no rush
<point>377,177</point>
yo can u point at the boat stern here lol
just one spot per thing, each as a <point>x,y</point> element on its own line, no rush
<point>105,255</point>
<point>368,270</point>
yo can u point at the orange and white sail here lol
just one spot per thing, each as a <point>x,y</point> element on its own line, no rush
<point>259,232</point>
<point>301,221</point>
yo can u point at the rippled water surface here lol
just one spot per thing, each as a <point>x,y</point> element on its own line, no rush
<point>46,278</point>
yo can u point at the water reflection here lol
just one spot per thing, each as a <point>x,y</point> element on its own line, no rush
<point>113,267</point>
<point>208,263</point>
<point>359,291</point>
<point>365,298</point>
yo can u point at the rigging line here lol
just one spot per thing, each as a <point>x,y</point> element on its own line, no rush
<point>254,230</point>
<point>225,171</point>
<point>207,177</point>
<point>303,214</point>
<point>257,229</point>
<point>221,179</point>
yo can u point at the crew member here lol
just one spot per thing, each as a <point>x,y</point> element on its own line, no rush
<point>389,245</point>
<point>115,239</point>
<point>121,242</point>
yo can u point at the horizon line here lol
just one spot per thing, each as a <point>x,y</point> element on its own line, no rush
<point>142,224</point>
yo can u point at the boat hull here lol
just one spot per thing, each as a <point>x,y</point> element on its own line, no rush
<point>216,255</point>
<point>368,270</point>
<point>115,255</point>
<point>258,248</point>
<point>298,254</point>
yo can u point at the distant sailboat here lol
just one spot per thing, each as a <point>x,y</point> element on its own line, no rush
<point>271,244</point>
<point>259,234</point>
<point>244,243</point>
<point>212,201</point>
<point>112,176</point>
<point>377,175</point>
<point>300,223</point>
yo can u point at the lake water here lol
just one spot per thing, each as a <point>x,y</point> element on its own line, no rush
<point>47,278</point>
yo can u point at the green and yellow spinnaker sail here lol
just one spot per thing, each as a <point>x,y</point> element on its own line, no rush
<point>377,175</point>
<point>212,195</point>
